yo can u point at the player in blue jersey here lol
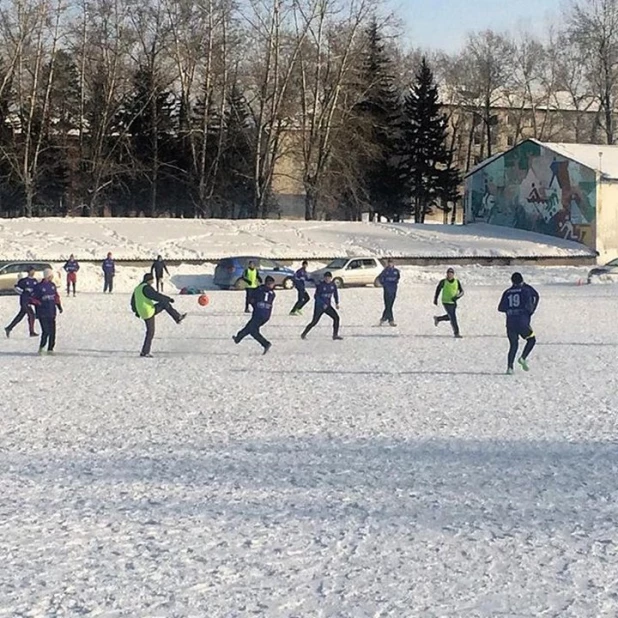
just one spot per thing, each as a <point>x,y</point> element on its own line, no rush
<point>325,292</point>
<point>519,303</point>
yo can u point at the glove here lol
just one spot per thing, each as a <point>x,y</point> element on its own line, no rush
<point>60,309</point>
<point>171,300</point>
<point>337,307</point>
<point>435,302</point>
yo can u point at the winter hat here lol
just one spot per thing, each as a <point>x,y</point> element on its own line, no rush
<point>48,273</point>
<point>516,278</point>
<point>147,277</point>
<point>328,274</point>
<point>269,279</point>
<point>450,270</point>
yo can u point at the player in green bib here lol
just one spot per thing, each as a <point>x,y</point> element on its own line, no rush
<point>450,291</point>
<point>146,303</point>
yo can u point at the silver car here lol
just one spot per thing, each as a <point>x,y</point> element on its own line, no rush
<point>12,272</point>
<point>349,272</point>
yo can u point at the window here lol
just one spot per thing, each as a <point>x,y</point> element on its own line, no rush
<point>477,139</point>
<point>337,264</point>
<point>269,264</point>
<point>14,269</point>
<point>510,140</point>
<point>354,264</point>
<point>369,263</point>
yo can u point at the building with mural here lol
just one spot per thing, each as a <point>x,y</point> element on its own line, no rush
<point>564,190</point>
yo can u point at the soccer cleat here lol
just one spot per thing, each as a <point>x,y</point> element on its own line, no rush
<point>524,364</point>
<point>337,338</point>
<point>509,371</point>
<point>7,332</point>
<point>295,313</point>
<point>247,311</point>
<point>267,347</point>
<point>299,312</point>
<point>435,320</point>
<point>181,318</point>
<point>383,322</point>
<point>458,336</point>
<point>50,352</point>
<point>33,334</point>
<point>235,339</point>
<point>392,323</point>
<point>146,355</point>
<point>41,351</point>
<point>303,336</point>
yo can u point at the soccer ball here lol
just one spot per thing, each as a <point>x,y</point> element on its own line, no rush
<point>203,300</point>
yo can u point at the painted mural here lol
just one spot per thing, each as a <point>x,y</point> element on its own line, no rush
<point>532,188</point>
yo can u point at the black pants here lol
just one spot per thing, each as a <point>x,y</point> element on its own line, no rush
<point>249,292</point>
<point>389,301</point>
<point>303,299</point>
<point>150,324</point>
<point>24,310</point>
<point>108,285</point>
<point>514,334</point>
<point>48,333</point>
<point>318,312</point>
<point>252,329</point>
<point>451,316</point>
<point>159,284</point>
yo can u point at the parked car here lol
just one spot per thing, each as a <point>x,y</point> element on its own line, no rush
<point>348,272</point>
<point>607,271</point>
<point>12,272</point>
<point>229,271</point>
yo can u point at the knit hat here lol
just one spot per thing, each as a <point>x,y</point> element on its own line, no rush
<point>147,277</point>
<point>48,273</point>
<point>517,278</point>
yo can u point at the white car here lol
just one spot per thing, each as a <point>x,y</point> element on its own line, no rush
<point>349,272</point>
<point>12,272</point>
<point>607,272</point>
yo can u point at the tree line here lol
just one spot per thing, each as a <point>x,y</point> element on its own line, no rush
<point>186,108</point>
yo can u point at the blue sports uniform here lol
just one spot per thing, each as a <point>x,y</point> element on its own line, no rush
<point>262,301</point>
<point>324,295</point>
<point>301,278</point>
<point>389,280</point>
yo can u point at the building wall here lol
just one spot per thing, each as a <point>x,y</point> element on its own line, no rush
<point>607,220</point>
<point>532,188</point>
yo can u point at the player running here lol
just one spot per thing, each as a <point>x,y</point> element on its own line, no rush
<point>325,291</point>
<point>301,278</point>
<point>451,291</point>
<point>262,300</point>
<point>45,298</point>
<point>519,303</point>
<point>71,268</point>
<point>389,279</point>
<point>24,288</point>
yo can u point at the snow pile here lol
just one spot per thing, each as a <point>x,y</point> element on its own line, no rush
<point>193,239</point>
<point>397,473</point>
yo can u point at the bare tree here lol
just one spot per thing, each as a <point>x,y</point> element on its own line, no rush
<point>594,26</point>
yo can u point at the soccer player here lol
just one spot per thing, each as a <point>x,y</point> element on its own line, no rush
<point>251,276</point>
<point>157,269</point>
<point>325,292</point>
<point>24,288</point>
<point>45,298</point>
<point>71,267</point>
<point>519,303</point>
<point>301,278</point>
<point>451,291</point>
<point>389,279</point>
<point>109,270</point>
<point>146,304</point>
<point>262,300</point>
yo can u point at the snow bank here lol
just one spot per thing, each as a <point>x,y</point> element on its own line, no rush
<point>191,239</point>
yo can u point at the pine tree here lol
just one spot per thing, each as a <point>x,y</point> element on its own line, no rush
<point>380,113</point>
<point>426,164</point>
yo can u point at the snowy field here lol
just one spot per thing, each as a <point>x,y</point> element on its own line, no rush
<point>184,239</point>
<point>398,473</point>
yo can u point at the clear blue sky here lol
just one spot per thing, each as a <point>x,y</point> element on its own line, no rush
<point>443,24</point>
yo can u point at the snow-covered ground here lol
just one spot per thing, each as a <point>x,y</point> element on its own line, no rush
<point>398,473</point>
<point>178,239</point>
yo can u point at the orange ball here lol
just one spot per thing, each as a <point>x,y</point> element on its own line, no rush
<point>203,300</point>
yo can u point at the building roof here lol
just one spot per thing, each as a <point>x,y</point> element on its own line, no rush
<point>599,157</point>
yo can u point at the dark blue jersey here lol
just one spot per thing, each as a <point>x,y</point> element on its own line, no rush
<point>109,266</point>
<point>262,301</point>
<point>519,302</point>
<point>324,294</point>
<point>45,298</point>
<point>301,278</point>
<point>24,288</point>
<point>389,278</point>
<point>71,266</point>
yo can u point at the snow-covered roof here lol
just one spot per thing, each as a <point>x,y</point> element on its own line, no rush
<point>599,157</point>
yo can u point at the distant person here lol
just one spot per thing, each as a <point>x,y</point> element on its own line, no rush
<point>71,268</point>
<point>47,302</point>
<point>389,280</point>
<point>262,301</point>
<point>450,291</point>
<point>251,277</point>
<point>325,292</point>
<point>109,271</point>
<point>519,303</point>
<point>301,278</point>
<point>146,304</point>
<point>24,288</point>
<point>157,269</point>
